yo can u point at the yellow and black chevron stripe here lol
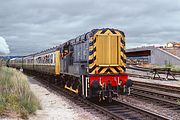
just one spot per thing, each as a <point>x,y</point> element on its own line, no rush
<point>122,59</point>
<point>93,67</point>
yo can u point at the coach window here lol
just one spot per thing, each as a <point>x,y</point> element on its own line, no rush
<point>41,60</point>
<point>45,59</point>
<point>48,59</point>
<point>54,58</point>
<point>51,59</point>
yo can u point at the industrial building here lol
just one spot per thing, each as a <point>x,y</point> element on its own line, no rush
<point>153,55</point>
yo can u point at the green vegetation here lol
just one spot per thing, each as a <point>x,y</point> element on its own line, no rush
<point>177,69</point>
<point>2,62</point>
<point>16,98</point>
<point>173,67</point>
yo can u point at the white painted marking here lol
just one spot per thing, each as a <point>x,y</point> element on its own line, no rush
<point>83,84</point>
<point>86,85</point>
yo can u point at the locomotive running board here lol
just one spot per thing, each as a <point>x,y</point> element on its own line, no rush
<point>70,88</point>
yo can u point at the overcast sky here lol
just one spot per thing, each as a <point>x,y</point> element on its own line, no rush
<point>30,26</point>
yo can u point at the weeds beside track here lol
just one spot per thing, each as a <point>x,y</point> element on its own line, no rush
<point>16,98</point>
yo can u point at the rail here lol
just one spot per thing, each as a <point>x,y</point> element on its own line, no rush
<point>163,95</point>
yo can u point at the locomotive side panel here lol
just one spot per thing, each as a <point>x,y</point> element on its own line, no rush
<point>80,58</point>
<point>74,54</point>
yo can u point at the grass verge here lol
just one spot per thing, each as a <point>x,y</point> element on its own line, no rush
<point>16,98</point>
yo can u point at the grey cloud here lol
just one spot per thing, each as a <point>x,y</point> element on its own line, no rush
<point>34,25</point>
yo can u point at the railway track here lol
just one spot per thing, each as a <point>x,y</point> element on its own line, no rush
<point>162,95</point>
<point>130,112</point>
<point>154,73</point>
<point>140,76</point>
<point>116,110</point>
<point>149,77</point>
<point>165,88</point>
<point>150,70</point>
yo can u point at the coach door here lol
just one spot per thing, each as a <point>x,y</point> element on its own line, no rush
<point>57,62</point>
